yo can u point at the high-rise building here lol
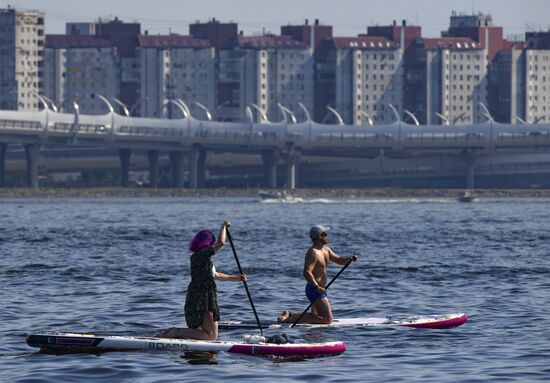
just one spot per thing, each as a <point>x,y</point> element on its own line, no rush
<point>176,67</point>
<point>77,66</point>
<point>367,77</point>
<point>455,81</point>
<point>21,53</point>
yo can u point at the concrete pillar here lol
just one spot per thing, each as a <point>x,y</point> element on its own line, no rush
<point>469,160</point>
<point>153,157</point>
<point>3,149</point>
<point>197,158</point>
<point>176,168</point>
<point>291,159</point>
<point>124,155</point>
<point>32,152</point>
<point>270,159</point>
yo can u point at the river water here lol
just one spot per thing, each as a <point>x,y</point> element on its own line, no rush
<point>121,265</point>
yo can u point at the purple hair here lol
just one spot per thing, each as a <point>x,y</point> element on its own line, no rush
<point>202,240</point>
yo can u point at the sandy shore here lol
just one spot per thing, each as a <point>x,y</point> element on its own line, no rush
<point>118,192</point>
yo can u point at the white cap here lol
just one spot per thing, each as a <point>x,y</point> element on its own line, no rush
<point>316,231</point>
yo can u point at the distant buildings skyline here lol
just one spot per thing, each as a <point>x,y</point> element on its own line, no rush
<point>468,74</point>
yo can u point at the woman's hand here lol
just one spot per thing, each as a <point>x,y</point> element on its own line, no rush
<point>226,224</point>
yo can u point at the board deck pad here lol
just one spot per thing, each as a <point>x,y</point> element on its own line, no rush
<point>78,342</point>
<point>419,321</point>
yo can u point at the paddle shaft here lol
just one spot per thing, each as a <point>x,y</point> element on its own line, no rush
<point>326,288</point>
<point>244,281</point>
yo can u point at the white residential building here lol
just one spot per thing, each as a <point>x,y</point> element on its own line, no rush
<point>369,76</point>
<point>266,71</point>
<point>176,67</point>
<point>456,80</point>
<point>77,67</point>
<point>21,47</point>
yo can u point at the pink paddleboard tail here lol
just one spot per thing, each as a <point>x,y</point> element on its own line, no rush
<point>290,350</point>
<point>443,324</point>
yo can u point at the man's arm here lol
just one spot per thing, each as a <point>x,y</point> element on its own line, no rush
<point>333,257</point>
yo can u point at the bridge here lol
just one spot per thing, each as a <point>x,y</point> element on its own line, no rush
<point>286,140</point>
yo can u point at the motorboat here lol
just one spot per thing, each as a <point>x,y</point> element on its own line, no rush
<point>467,196</point>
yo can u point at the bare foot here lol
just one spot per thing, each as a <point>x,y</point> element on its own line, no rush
<point>284,316</point>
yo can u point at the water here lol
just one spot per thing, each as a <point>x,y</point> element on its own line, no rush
<point>121,265</point>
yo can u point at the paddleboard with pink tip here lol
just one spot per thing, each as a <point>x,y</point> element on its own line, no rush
<point>443,321</point>
<point>63,343</point>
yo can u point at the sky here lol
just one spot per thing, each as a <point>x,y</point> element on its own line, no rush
<point>348,17</point>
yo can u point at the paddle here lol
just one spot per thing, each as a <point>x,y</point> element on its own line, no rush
<point>244,281</point>
<point>326,288</point>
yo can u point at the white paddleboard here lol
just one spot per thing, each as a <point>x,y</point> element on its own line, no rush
<point>418,321</point>
<point>76,343</point>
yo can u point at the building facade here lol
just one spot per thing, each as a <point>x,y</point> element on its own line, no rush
<point>21,59</point>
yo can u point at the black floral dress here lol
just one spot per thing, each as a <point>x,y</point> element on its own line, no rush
<point>201,293</point>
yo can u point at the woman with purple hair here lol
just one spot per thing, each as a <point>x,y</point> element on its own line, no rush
<point>201,304</point>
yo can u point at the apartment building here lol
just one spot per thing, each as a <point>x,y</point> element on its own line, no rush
<point>77,66</point>
<point>456,82</point>
<point>21,47</point>
<point>176,67</point>
<point>368,78</point>
<point>270,70</point>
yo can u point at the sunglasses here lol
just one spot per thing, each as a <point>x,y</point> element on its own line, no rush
<point>323,235</point>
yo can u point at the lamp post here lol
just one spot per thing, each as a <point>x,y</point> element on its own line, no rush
<point>226,102</point>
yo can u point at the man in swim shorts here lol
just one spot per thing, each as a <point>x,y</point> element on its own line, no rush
<point>318,256</point>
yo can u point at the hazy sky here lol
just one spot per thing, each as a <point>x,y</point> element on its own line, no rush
<point>348,17</point>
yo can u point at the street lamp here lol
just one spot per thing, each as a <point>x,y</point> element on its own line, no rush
<point>206,111</point>
<point>335,113</point>
<point>226,102</point>
<point>124,108</point>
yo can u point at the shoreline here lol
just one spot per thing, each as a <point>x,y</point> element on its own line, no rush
<point>119,192</point>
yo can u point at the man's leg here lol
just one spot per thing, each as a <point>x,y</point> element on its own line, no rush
<point>322,311</point>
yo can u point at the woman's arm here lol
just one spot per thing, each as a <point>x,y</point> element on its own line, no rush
<point>226,277</point>
<point>221,237</point>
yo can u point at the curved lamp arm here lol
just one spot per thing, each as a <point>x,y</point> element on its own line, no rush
<point>248,113</point>
<point>369,120</point>
<point>285,110</point>
<point>520,120</point>
<point>486,111</point>
<point>206,111</point>
<point>109,105</point>
<point>182,103</point>
<point>443,118</point>
<point>141,100</point>
<point>459,118</point>
<point>52,104</point>
<point>411,116</point>
<point>124,107</point>
<point>264,117</point>
<point>397,118</point>
<point>180,107</point>
<point>42,101</point>
<point>338,117</point>
<point>306,112</point>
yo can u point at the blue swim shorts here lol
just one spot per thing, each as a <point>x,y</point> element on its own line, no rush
<point>312,294</point>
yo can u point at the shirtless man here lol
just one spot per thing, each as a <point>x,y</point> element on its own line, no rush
<point>315,272</point>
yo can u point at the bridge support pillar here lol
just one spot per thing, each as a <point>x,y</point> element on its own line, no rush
<point>32,152</point>
<point>124,155</point>
<point>291,158</point>
<point>153,157</point>
<point>3,149</point>
<point>270,159</point>
<point>470,160</point>
<point>176,168</point>
<point>197,158</point>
